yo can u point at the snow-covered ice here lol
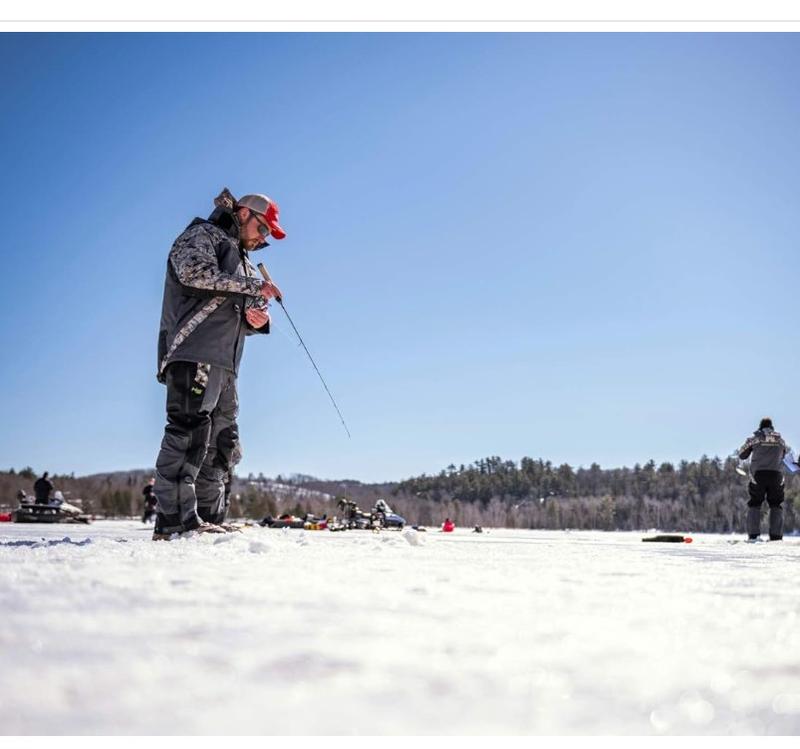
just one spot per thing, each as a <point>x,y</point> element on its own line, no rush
<point>299,632</point>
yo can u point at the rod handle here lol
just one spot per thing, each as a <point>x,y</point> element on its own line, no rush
<point>263,269</point>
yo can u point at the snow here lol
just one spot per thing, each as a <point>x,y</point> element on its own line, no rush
<point>300,632</point>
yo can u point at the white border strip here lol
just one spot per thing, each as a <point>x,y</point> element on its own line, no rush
<point>368,15</point>
<point>398,26</point>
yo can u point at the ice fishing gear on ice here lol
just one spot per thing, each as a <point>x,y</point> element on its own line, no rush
<point>279,300</point>
<point>381,517</point>
<point>669,538</point>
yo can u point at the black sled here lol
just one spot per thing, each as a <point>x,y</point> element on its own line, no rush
<point>51,512</point>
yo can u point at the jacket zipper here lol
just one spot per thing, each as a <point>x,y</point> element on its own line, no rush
<point>243,259</point>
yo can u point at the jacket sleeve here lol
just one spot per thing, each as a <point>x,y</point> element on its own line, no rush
<point>195,264</point>
<point>745,450</point>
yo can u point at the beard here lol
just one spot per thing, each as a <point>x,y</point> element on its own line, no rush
<point>249,245</point>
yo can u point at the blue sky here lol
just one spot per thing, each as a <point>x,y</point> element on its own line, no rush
<point>580,247</point>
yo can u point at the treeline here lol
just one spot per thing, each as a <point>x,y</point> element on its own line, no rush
<point>705,495</point>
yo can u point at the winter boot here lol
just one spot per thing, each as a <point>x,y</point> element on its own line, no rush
<point>167,526</point>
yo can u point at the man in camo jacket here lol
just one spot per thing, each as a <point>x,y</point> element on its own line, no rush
<point>213,299</point>
<point>766,450</point>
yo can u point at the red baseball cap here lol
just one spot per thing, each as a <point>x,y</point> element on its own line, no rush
<point>265,207</point>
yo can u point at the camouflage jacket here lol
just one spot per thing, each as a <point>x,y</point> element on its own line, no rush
<point>765,449</point>
<point>209,284</point>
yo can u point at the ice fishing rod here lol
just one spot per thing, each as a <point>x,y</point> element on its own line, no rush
<point>262,268</point>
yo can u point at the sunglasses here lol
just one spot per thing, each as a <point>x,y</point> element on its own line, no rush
<point>263,229</point>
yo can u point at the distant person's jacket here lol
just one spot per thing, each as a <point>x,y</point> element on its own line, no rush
<point>765,449</point>
<point>42,488</point>
<point>149,496</point>
<point>209,284</point>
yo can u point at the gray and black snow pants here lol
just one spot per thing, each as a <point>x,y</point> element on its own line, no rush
<point>200,447</point>
<point>766,485</point>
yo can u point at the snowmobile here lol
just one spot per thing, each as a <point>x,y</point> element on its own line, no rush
<point>54,511</point>
<point>386,517</point>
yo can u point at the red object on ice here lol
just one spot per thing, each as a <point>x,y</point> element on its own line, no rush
<point>687,540</point>
<point>448,526</point>
<point>5,517</point>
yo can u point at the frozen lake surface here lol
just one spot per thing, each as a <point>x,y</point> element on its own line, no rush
<point>299,632</point>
